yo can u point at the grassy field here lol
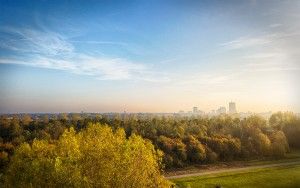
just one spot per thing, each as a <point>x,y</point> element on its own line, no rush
<point>285,177</point>
<point>294,155</point>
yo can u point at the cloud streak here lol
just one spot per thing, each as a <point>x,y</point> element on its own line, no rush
<point>246,42</point>
<point>100,42</point>
<point>53,51</point>
<point>257,41</point>
<point>33,41</point>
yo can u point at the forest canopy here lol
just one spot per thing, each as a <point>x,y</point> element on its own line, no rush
<point>94,149</point>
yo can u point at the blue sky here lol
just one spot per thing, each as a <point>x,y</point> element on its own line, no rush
<point>149,56</point>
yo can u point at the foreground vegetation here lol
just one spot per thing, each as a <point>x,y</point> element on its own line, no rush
<point>94,157</point>
<point>97,149</point>
<point>276,177</point>
<point>184,140</point>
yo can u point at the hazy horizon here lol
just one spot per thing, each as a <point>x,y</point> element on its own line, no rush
<point>149,56</point>
<point>119,110</point>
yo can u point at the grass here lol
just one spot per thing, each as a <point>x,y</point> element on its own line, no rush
<point>292,156</point>
<point>287,177</point>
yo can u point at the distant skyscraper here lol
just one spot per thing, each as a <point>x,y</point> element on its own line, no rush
<point>232,108</point>
<point>195,109</point>
<point>221,110</point>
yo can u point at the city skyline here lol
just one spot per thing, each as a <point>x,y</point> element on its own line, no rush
<point>192,110</point>
<point>140,56</point>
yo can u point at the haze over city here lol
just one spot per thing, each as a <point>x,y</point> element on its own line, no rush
<point>149,56</point>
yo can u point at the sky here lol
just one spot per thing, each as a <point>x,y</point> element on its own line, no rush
<point>149,56</point>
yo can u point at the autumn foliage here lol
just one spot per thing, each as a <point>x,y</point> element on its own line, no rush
<point>94,157</point>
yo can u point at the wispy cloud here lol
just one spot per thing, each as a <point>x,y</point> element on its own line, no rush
<point>33,41</point>
<point>274,25</point>
<point>100,42</point>
<point>53,51</point>
<point>257,41</point>
<point>103,69</point>
<point>269,62</point>
<point>246,42</point>
<point>262,65</point>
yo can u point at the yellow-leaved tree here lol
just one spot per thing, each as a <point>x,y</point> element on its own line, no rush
<point>94,157</point>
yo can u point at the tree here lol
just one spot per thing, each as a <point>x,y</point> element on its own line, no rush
<point>45,119</point>
<point>94,157</point>
<point>289,123</point>
<point>292,132</point>
<point>280,119</point>
<point>3,160</point>
<point>63,117</point>
<point>174,149</point>
<point>263,144</point>
<point>26,120</point>
<point>195,150</point>
<point>279,144</point>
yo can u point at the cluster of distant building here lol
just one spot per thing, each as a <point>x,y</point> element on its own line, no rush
<point>232,110</point>
<point>220,110</point>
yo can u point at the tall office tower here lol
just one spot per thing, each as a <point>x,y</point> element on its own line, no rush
<point>232,108</point>
<point>221,110</point>
<point>195,110</point>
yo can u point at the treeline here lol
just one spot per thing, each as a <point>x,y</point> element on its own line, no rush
<point>183,140</point>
